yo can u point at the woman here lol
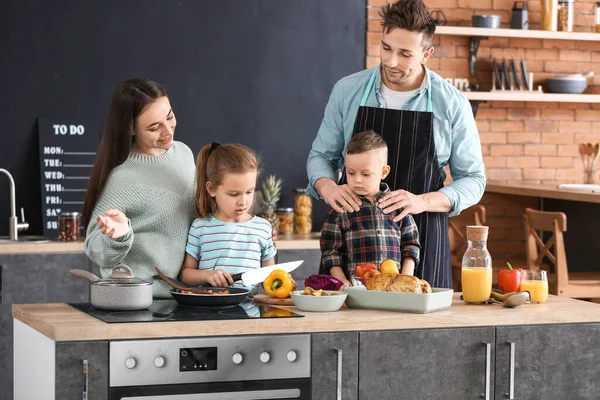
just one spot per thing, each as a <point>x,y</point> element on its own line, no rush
<point>140,200</point>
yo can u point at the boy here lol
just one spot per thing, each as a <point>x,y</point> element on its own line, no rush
<point>368,235</point>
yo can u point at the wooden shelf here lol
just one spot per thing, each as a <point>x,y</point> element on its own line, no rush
<point>532,96</point>
<point>515,33</point>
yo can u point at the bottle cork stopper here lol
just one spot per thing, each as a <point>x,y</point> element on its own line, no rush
<point>476,233</point>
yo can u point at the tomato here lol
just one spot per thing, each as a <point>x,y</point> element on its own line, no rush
<point>362,268</point>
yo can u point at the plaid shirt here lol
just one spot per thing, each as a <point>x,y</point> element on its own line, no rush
<point>367,236</point>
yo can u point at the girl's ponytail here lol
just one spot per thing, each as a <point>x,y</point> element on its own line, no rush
<point>204,203</point>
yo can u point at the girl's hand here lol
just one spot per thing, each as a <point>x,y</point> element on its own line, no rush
<point>219,278</point>
<point>346,283</point>
<point>113,224</point>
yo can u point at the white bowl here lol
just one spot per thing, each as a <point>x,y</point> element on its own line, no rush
<point>305,302</point>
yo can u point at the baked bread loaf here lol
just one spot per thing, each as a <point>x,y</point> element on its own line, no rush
<point>398,283</point>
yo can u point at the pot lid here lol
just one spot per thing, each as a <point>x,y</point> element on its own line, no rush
<point>122,275</point>
<point>577,77</point>
<point>122,282</point>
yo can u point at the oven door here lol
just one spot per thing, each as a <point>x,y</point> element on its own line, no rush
<point>247,390</point>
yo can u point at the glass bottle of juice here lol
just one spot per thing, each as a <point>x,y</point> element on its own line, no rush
<point>477,266</point>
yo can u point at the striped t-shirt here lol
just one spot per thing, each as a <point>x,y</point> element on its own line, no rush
<point>232,246</point>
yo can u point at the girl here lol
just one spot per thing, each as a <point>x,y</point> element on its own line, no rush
<point>225,239</point>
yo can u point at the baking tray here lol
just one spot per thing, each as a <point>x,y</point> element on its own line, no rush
<point>360,297</point>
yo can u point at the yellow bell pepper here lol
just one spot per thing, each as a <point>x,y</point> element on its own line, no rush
<point>279,284</point>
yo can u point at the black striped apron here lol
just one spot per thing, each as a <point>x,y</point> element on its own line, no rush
<point>414,168</point>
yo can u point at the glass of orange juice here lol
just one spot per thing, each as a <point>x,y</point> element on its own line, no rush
<point>535,281</point>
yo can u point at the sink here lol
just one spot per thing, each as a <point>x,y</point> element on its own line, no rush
<point>24,239</point>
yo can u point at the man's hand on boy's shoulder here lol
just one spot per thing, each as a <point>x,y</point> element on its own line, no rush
<point>406,202</point>
<point>340,197</point>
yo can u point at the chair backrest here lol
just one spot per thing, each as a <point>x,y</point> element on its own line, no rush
<point>475,215</point>
<point>552,249</point>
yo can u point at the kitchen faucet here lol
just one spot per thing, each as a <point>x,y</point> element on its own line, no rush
<point>14,225</point>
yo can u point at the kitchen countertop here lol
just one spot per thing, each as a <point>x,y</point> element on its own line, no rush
<point>61,322</point>
<point>286,242</point>
<point>546,191</point>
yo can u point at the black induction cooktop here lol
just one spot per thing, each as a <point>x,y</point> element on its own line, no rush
<point>170,310</point>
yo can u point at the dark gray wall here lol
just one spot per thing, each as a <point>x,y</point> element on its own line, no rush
<point>257,72</point>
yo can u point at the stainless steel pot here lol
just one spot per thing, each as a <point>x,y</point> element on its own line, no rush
<point>120,292</point>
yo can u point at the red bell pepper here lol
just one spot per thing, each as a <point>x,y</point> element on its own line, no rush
<point>509,280</point>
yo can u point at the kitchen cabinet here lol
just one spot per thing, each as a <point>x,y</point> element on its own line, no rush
<point>427,364</point>
<point>326,360</point>
<point>69,370</point>
<point>34,278</point>
<point>550,361</point>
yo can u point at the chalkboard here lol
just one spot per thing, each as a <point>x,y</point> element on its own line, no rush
<point>67,155</point>
<point>258,72</point>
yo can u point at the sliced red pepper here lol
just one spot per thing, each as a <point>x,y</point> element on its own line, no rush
<point>509,280</point>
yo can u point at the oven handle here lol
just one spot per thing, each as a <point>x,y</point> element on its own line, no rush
<point>247,395</point>
<point>339,375</point>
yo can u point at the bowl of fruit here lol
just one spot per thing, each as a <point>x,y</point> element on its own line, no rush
<point>366,271</point>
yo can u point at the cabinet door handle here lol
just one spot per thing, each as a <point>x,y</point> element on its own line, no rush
<point>488,357</point>
<point>339,375</point>
<point>84,394</point>
<point>511,373</point>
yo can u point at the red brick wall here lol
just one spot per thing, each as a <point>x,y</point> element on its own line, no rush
<point>521,141</point>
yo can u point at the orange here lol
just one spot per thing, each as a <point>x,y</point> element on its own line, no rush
<point>389,266</point>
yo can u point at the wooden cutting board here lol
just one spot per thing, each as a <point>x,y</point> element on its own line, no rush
<point>266,299</point>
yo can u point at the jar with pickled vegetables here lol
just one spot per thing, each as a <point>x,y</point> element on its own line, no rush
<point>302,212</point>
<point>286,220</point>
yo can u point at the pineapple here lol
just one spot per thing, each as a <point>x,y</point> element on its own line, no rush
<point>271,192</point>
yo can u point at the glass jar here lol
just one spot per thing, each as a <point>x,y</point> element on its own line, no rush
<point>477,266</point>
<point>69,226</point>
<point>597,18</point>
<point>565,15</point>
<point>285,216</point>
<point>302,212</point>
<point>549,14</point>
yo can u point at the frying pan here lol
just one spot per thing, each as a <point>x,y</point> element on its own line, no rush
<point>236,296</point>
<point>200,298</point>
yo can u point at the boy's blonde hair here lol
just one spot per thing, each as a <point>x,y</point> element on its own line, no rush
<point>214,161</point>
<point>366,141</point>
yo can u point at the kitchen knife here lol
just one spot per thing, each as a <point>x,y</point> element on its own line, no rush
<point>258,275</point>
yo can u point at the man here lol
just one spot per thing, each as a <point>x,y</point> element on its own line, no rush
<point>427,125</point>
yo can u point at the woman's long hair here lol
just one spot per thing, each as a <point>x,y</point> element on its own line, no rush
<point>213,163</point>
<point>129,100</point>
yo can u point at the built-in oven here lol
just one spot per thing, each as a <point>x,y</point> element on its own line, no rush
<point>223,368</point>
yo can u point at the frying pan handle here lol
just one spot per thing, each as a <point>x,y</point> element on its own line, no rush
<point>80,273</point>
<point>117,272</point>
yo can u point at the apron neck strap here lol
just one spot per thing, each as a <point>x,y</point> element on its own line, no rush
<point>365,97</point>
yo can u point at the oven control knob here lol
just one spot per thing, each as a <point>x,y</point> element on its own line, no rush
<point>291,356</point>
<point>265,357</point>
<point>130,362</point>
<point>237,358</point>
<point>159,362</point>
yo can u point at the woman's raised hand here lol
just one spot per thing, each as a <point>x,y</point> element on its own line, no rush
<point>113,224</point>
